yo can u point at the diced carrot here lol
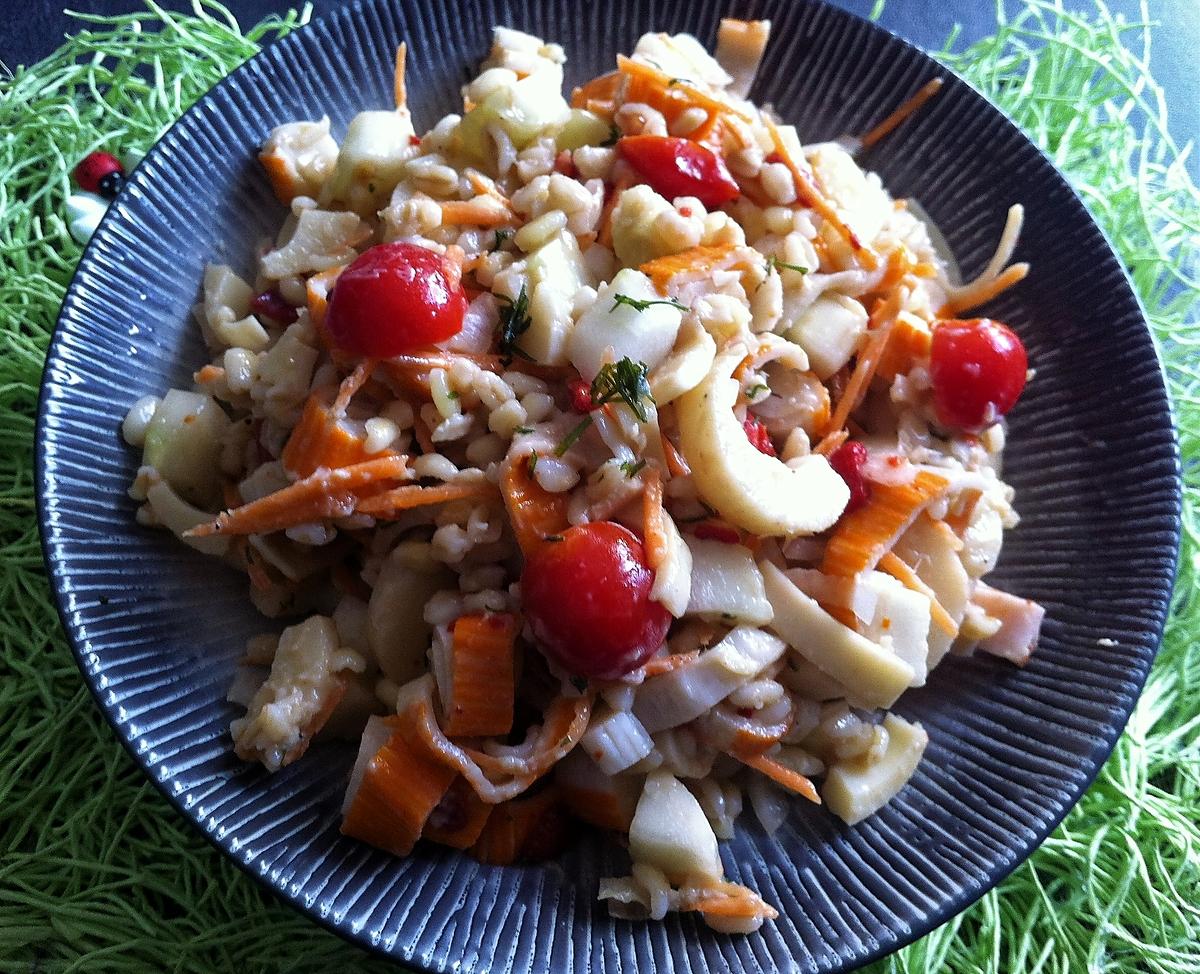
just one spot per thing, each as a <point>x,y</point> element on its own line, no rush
<point>209,373</point>
<point>913,104</point>
<point>864,536</point>
<point>320,439</point>
<point>698,260</point>
<point>534,512</point>
<point>601,88</point>
<point>479,699</point>
<point>892,564</point>
<point>810,196</point>
<point>482,211</point>
<point>528,827</point>
<point>402,784</point>
<point>781,775</point>
<point>459,818</point>
<point>653,526</point>
<point>324,494</point>
<point>909,343</point>
<point>399,499</point>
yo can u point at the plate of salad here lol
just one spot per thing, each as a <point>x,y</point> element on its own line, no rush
<point>703,500</point>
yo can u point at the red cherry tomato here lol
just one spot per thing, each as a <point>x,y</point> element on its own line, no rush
<point>678,167</point>
<point>847,461</point>
<point>758,436</point>
<point>978,371</point>
<point>587,599</point>
<point>394,298</point>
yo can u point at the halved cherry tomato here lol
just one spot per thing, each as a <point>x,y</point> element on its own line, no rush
<point>395,297</point>
<point>678,167</point>
<point>587,599</point>
<point>847,461</point>
<point>978,372</point>
<point>758,436</point>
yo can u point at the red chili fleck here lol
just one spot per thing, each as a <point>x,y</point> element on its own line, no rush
<point>564,163</point>
<point>685,211</point>
<point>848,460</point>
<point>716,531</point>
<point>894,460</point>
<point>270,304</point>
<point>414,140</point>
<point>758,436</point>
<point>581,396</point>
<point>94,167</point>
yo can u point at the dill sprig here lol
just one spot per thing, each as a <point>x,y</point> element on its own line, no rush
<point>514,322</point>
<point>641,305</point>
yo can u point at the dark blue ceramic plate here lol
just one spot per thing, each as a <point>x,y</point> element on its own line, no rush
<point>1092,456</point>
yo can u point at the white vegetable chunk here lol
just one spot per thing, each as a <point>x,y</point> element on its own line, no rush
<point>683,694</point>
<point>901,620</point>
<point>616,741</point>
<point>642,336</point>
<point>749,488</point>
<point>177,516</point>
<point>829,329</point>
<point>859,195</point>
<point>556,271</point>
<point>853,790</point>
<point>686,366</point>
<point>875,675</point>
<point>183,443</point>
<point>396,629</point>
<point>371,159</point>
<point>671,833</point>
<point>726,583</point>
<point>635,227</point>
<point>930,552</point>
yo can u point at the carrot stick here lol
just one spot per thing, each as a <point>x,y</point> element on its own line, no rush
<point>892,564</point>
<point>864,536</point>
<point>912,105</point>
<point>405,498</point>
<point>677,466</point>
<point>324,494</point>
<point>482,211</point>
<point>730,900</point>
<point>781,775</point>
<point>351,384</point>
<point>479,699</point>
<point>658,665</point>
<point>534,512</point>
<point>652,519</point>
<point>702,260</point>
<point>399,91</point>
<point>984,291</point>
<point>601,88</point>
<point>865,366</point>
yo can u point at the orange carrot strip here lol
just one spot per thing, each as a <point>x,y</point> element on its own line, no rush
<point>423,435</point>
<point>909,343</point>
<point>650,86</point>
<point>402,785</point>
<point>892,564</point>
<point>399,499</point>
<point>702,260</point>
<point>317,290</point>
<point>912,105</point>
<point>351,384</point>
<point>810,196</point>
<point>831,441</point>
<point>284,179</point>
<point>677,466</point>
<point>601,88</point>
<point>958,522</point>
<point>482,211</point>
<point>975,296</point>
<point>781,775</point>
<point>324,494</point>
<point>479,699</point>
<point>864,368</point>
<point>465,815</point>
<point>658,665</point>
<point>864,536</point>
<point>534,512</point>
<point>731,900</point>
<point>399,91</point>
<point>654,527</point>
<point>512,830</point>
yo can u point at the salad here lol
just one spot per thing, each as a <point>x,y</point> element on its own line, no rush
<point>615,458</point>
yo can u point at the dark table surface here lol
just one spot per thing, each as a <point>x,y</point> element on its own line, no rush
<point>32,28</point>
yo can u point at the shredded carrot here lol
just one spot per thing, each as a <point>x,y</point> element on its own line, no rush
<point>658,665</point>
<point>423,435</point>
<point>892,564</point>
<point>698,260</point>
<point>677,466</point>
<point>534,512</point>
<point>810,196</point>
<point>730,900</point>
<point>977,294</point>
<point>604,236</point>
<point>254,571</point>
<point>909,343</point>
<point>648,85</point>
<point>399,91</point>
<point>512,830</point>
<point>482,211</point>
<point>864,367</point>
<point>399,499</point>
<point>402,785</point>
<point>781,775</point>
<point>653,525</point>
<point>831,441</point>
<point>957,522</point>
<point>865,535</point>
<point>465,816</point>
<point>479,699</point>
<point>320,440</point>
<point>323,494</point>
<point>351,384</point>
<point>603,87</point>
<point>912,105</point>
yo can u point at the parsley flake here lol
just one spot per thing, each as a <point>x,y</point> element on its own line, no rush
<point>620,299</point>
<point>753,391</point>
<point>523,430</point>
<point>514,322</point>
<point>632,469</point>
<point>501,237</point>
<point>532,462</point>
<point>774,263</point>
<point>614,136</point>
<point>624,381</point>
<point>572,438</point>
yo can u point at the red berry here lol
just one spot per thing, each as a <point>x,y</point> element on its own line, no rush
<point>848,460</point>
<point>678,167</point>
<point>581,396</point>
<point>94,167</point>
<point>270,304</point>
<point>758,436</point>
<point>395,297</point>
<point>978,371</point>
<point>587,599</point>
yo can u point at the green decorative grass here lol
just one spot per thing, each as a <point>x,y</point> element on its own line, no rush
<point>97,873</point>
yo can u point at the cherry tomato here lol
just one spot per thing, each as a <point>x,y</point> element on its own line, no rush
<point>847,461</point>
<point>978,371</point>
<point>678,167</point>
<point>758,436</point>
<point>587,599</point>
<point>395,297</point>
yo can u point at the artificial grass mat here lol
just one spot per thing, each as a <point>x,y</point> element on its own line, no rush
<point>98,873</point>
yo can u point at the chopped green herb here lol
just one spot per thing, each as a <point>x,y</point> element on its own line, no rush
<point>677,81</point>
<point>614,136</point>
<point>620,299</point>
<point>774,263</point>
<point>501,237</point>
<point>572,438</point>
<point>753,391</point>
<point>623,381</point>
<point>451,394</point>
<point>632,469</point>
<point>514,322</point>
<point>532,462</point>
<point>523,430</point>
<point>553,537</point>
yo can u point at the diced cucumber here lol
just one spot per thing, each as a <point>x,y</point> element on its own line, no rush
<point>183,443</point>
